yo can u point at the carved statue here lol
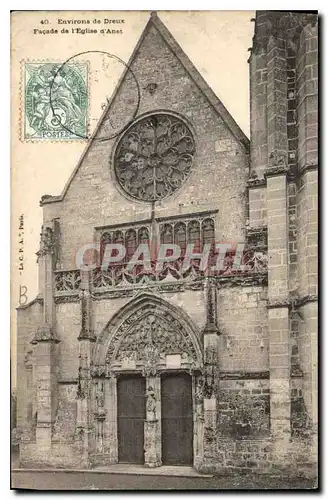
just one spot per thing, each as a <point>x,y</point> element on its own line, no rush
<point>147,336</point>
<point>277,159</point>
<point>47,242</point>
<point>151,401</point>
<point>199,392</point>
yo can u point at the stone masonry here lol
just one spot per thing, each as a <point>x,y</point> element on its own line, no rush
<point>247,339</point>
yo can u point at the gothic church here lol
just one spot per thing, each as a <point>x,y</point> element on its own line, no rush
<point>176,366</point>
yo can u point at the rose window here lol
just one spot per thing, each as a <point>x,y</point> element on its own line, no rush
<point>154,157</point>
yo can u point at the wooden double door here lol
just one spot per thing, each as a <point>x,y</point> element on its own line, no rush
<point>176,419</point>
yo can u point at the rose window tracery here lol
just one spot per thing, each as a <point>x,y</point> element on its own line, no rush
<point>154,157</point>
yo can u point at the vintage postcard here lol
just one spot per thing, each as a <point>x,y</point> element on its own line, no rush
<point>164,247</point>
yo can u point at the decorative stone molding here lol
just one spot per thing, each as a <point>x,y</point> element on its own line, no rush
<point>293,302</point>
<point>47,241</point>
<point>308,167</point>
<point>85,333</point>
<point>143,334</point>
<point>276,170</point>
<point>232,280</point>
<point>211,307</point>
<point>296,372</point>
<point>277,165</point>
<point>147,338</point>
<point>44,334</point>
<point>99,395</point>
<point>279,303</point>
<point>257,237</point>
<point>256,182</point>
<point>63,299</point>
<point>67,281</point>
<point>258,279</point>
<point>244,375</point>
<point>301,301</point>
<point>83,378</point>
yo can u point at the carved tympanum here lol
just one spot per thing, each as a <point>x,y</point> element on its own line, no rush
<point>154,157</point>
<point>146,338</point>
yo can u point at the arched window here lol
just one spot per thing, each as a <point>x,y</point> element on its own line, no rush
<point>208,231</point>
<point>194,235</point>
<point>118,239</point>
<point>209,238</point>
<point>143,236</point>
<point>180,237</point>
<point>130,243</point>
<point>167,234</point>
<point>104,240</point>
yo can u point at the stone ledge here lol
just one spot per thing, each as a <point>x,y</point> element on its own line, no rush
<point>164,470</point>
<point>244,375</point>
<point>301,301</point>
<point>308,168</point>
<point>276,170</point>
<point>256,183</point>
<point>279,303</point>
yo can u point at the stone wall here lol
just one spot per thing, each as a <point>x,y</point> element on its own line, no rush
<point>28,319</point>
<point>242,322</point>
<point>267,346</point>
<point>219,172</point>
<point>243,409</point>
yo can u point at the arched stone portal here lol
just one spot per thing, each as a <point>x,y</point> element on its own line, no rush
<point>152,339</point>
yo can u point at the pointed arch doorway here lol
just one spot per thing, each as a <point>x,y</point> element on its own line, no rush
<point>151,354</point>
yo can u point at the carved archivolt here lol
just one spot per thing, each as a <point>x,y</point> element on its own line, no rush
<point>144,332</point>
<point>149,337</point>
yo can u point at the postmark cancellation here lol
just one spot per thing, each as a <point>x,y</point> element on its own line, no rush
<point>55,101</point>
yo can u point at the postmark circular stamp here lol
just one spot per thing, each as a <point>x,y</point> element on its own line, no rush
<point>109,124</point>
<point>92,94</point>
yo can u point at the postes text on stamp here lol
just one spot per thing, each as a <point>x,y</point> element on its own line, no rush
<point>55,101</point>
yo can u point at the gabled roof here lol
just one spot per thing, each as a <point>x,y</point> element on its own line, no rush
<point>194,74</point>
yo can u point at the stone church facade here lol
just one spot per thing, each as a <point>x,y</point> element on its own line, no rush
<point>180,366</point>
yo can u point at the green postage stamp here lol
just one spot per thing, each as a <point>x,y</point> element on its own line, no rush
<point>55,101</point>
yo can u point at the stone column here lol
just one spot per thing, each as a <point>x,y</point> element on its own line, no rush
<point>277,206</point>
<point>258,97</point>
<point>307,213</point>
<point>99,414</point>
<point>45,342</point>
<point>110,424</point>
<point>198,398</point>
<point>152,429</point>
<point>211,372</point>
<point>278,313</point>
<point>85,418</point>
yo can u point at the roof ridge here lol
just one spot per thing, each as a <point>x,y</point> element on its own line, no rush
<point>200,81</point>
<point>193,72</point>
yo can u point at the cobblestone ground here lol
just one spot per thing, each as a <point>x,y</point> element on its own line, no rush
<point>105,481</point>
